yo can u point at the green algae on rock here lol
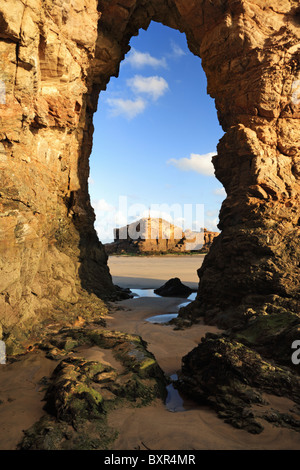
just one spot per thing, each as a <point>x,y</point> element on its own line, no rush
<point>231,377</point>
<point>272,335</point>
<point>81,393</point>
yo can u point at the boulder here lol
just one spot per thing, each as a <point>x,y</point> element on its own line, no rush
<point>174,288</point>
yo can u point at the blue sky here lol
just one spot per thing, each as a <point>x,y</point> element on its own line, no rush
<point>155,132</point>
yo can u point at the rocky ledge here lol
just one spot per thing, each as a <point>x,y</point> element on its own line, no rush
<point>174,288</point>
<point>80,393</point>
<point>239,372</point>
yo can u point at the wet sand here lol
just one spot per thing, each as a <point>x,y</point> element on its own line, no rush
<point>153,271</point>
<point>153,427</point>
<point>21,396</point>
<point>197,428</point>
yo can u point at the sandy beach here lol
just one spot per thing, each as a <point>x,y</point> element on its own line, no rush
<point>150,272</point>
<point>155,427</point>
<point>178,424</point>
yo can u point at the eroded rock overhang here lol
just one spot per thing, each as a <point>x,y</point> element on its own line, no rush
<point>56,57</point>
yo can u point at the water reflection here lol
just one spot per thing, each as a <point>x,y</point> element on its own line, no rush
<point>174,402</point>
<point>144,293</point>
<point>151,293</point>
<point>177,401</point>
<point>165,318</point>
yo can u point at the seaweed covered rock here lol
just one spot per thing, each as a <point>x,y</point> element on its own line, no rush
<point>71,395</point>
<point>231,377</point>
<point>272,335</point>
<point>51,434</point>
<point>81,393</point>
<point>76,410</point>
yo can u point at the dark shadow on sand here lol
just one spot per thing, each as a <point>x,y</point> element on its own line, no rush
<point>144,283</point>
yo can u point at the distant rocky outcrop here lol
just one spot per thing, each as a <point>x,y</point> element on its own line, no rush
<point>156,235</point>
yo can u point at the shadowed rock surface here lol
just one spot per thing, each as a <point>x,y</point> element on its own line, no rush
<point>232,378</point>
<point>56,58</point>
<point>174,288</point>
<point>80,393</point>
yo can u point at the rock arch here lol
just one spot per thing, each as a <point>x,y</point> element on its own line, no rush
<point>56,56</point>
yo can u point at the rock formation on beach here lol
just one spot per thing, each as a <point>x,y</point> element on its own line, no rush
<point>156,235</point>
<point>174,288</point>
<point>56,57</point>
<point>80,393</point>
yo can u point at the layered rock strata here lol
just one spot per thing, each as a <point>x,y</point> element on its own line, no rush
<point>156,235</point>
<point>56,56</point>
<point>240,385</point>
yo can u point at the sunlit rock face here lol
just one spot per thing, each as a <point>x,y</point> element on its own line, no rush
<point>56,56</point>
<point>156,235</point>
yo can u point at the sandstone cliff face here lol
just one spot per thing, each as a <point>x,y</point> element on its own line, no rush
<point>56,56</point>
<point>156,235</point>
<point>48,244</point>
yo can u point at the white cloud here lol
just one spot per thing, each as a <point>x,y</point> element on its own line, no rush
<point>139,60</point>
<point>127,108</point>
<point>176,50</point>
<point>120,219</point>
<point>107,218</point>
<point>211,214</point>
<point>158,214</point>
<point>200,163</point>
<point>220,192</point>
<point>154,86</point>
<point>212,224</point>
<point>101,205</point>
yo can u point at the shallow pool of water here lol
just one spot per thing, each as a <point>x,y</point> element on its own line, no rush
<point>144,293</point>
<point>165,318</point>
<point>151,293</point>
<point>176,401</point>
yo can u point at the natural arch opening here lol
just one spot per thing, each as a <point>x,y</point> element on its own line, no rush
<point>155,133</point>
<point>65,57</point>
<point>238,275</point>
<point>56,58</point>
